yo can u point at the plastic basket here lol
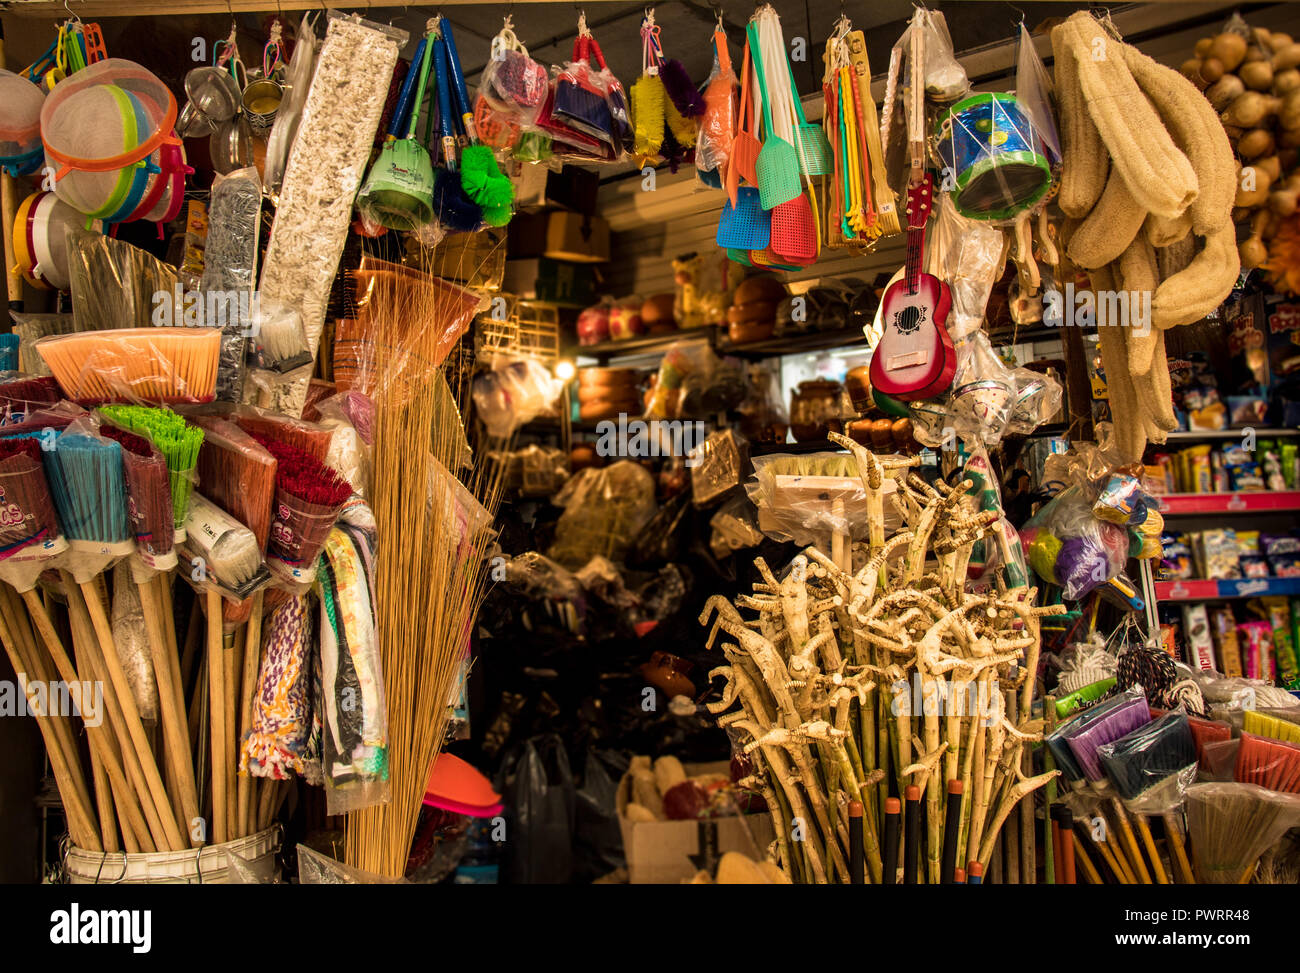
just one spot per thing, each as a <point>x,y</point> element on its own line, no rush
<point>20,119</point>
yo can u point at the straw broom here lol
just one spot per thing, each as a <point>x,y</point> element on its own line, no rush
<point>428,582</point>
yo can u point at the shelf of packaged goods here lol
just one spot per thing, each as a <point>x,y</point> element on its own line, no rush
<point>1191,504</point>
<point>1207,435</point>
<point>1201,590</point>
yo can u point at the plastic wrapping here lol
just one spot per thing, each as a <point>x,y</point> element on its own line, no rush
<point>350,418</point>
<point>604,510</point>
<point>983,391</point>
<point>1062,740</point>
<point>970,256</point>
<point>734,527</point>
<point>994,159</point>
<point>141,365</point>
<point>230,271</point>
<point>807,498</point>
<point>1067,546</point>
<point>536,576</point>
<point>512,392</point>
<point>175,438</point>
<point>1151,767</point>
<point>1218,760</point>
<point>367,348</point>
<point>116,285</point>
<point>28,512</point>
<point>512,84</point>
<point>228,550</point>
<point>1231,825</point>
<point>278,744</point>
<point>308,497</point>
<point>1035,91</point>
<point>132,643</point>
<point>1274,764</point>
<point>150,512</point>
<point>718,123</point>
<point>297,82</point>
<point>354,710</point>
<point>1037,400</point>
<point>717,467</point>
<point>324,171</point>
<point>22,396</point>
<point>238,474</point>
<point>30,328</point>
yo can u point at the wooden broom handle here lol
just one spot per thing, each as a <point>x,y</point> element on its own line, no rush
<point>175,730</point>
<point>131,716</point>
<point>217,716</point>
<point>99,737</point>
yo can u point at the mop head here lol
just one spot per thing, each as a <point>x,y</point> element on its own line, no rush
<point>648,99</point>
<point>681,89</point>
<point>455,210</point>
<point>482,179</point>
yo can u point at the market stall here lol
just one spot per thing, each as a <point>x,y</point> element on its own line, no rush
<point>675,446</point>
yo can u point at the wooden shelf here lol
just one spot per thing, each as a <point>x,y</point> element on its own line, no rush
<point>1193,437</point>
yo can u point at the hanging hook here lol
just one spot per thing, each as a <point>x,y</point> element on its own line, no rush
<point>1019,11</point>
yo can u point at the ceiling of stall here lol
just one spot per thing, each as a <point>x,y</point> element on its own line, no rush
<point>134,29</point>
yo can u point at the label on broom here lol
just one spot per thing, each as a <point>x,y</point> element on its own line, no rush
<point>298,534</point>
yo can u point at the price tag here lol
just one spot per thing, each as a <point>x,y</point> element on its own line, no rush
<point>1237,503</point>
<point>1179,590</point>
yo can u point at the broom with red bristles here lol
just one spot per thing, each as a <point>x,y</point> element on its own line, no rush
<point>308,497</point>
<point>27,514</point>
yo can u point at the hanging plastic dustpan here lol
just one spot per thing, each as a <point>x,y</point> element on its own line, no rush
<point>739,256</point>
<point>777,167</point>
<point>745,226</point>
<point>399,190</point>
<point>20,124</point>
<point>456,786</point>
<point>794,232</point>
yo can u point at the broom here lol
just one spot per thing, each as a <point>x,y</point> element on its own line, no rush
<point>1146,766</point>
<point>1232,824</point>
<point>150,510</point>
<point>86,478</point>
<point>28,512</point>
<point>309,437</point>
<point>308,497</point>
<point>1269,763</point>
<point>428,579</point>
<point>175,438</point>
<point>155,364</point>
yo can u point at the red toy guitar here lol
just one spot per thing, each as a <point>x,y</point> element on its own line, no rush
<point>914,358</point>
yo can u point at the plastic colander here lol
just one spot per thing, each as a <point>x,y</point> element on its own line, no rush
<point>20,123</point>
<point>89,138</point>
<point>135,179</point>
<point>53,222</point>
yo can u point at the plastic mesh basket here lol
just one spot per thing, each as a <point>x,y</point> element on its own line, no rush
<point>20,117</point>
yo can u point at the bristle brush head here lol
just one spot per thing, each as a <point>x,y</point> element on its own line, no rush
<point>86,478</point>
<point>1148,755</point>
<point>1104,723</point>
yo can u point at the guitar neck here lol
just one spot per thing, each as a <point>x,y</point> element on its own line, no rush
<point>915,253</point>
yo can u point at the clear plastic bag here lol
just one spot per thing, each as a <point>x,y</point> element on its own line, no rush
<point>1151,767</point>
<point>733,527</point>
<point>141,365</point>
<point>1067,546</point>
<point>230,271</point>
<point>1038,398</point>
<point>132,643</point>
<point>277,745</point>
<point>349,416</point>
<point>512,392</point>
<point>604,511</point>
<point>512,82</point>
<point>30,328</point>
<point>536,576</point>
<point>970,257</point>
<point>116,285</point>
<point>983,392</point>
<point>721,100</point>
<point>717,466</point>
<point>1034,92</point>
<point>808,498</point>
<point>279,339</point>
<point>1230,825</point>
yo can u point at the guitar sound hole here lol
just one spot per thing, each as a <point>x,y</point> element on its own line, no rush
<point>908,319</point>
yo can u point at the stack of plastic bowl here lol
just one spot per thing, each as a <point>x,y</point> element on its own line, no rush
<point>20,124</point>
<point>103,129</point>
<point>42,231</point>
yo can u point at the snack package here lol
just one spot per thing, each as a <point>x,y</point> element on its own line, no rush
<point>1196,630</point>
<point>1227,649</point>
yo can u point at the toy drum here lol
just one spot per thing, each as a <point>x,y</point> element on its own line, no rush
<point>996,163</point>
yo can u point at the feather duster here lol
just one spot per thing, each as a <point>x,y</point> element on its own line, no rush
<point>649,100</point>
<point>681,89</point>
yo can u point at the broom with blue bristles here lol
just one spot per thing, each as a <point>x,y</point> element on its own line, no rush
<point>87,481</point>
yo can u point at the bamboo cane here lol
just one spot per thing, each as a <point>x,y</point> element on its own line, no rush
<point>1149,843</point>
<point>1130,841</point>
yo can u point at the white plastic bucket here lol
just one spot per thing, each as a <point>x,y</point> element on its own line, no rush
<point>197,866</point>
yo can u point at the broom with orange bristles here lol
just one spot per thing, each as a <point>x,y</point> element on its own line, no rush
<point>135,364</point>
